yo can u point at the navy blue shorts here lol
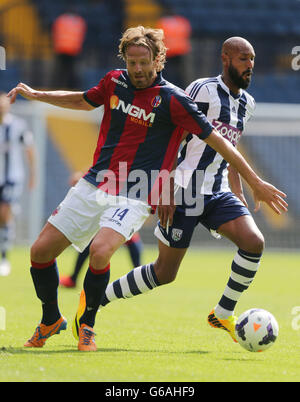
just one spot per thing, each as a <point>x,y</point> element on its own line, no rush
<point>217,210</point>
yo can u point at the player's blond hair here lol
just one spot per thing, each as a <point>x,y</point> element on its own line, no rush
<point>153,39</point>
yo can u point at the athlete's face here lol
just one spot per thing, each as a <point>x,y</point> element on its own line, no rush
<point>140,66</point>
<point>240,68</point>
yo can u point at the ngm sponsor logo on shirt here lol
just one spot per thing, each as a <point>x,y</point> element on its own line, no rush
<point>229,132</point>
<point>137,114</point>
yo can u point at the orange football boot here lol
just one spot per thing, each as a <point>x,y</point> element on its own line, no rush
<point>86,339</point>
<point>43,332</point>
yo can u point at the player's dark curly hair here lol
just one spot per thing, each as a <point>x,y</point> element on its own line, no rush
<point>148,37</point>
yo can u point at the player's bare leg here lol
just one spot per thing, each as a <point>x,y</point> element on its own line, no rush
<point>105,244</point>
<point>168,262</point>
<point>50,243</point>
<point>244,232</point>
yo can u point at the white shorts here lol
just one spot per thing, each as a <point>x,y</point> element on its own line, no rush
<point>86,209</point>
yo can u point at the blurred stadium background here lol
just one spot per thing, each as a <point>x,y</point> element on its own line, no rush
<point>65,140</point>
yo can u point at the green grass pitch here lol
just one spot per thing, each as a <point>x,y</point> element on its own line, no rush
<point>161,336</point>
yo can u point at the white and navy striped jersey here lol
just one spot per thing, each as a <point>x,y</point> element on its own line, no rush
<point>14,135</point>
<point>228,113</point>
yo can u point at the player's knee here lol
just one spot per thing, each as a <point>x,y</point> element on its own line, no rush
<point>256,243</point>
<point>39,253</point>
<point>100,254</point>
<point>259,243</point>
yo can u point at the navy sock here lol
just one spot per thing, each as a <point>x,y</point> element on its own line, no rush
<point>46,280</point>
<point>94,285</point>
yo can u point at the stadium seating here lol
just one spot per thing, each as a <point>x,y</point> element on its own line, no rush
<point>266,21</point>
<point>247,16</point>
<point>10,76</point>
<point>104,23</point>
<point>281,88</point>
<point>285,175</point>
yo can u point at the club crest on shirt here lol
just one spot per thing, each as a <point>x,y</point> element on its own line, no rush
<point>177,234</point>
<point>156,101</point>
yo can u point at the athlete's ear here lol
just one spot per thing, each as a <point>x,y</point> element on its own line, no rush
<point>225,59</point>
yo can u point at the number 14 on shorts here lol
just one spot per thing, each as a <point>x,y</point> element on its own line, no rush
<point>120,213</point>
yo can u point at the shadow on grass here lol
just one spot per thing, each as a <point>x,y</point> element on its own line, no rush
<point>243,358</point>
<point>7,351</point>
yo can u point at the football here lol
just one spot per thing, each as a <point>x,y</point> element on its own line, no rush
<point>256,330</point>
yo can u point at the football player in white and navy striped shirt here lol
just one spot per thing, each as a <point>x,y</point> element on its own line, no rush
<point>221,206</point>
<point>15,137</point>
<point>228,113</point>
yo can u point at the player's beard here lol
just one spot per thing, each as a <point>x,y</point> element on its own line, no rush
<point>144,81</point>
<point>238,79</point>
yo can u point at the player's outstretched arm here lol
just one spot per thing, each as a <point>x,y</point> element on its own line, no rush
<point>236,185</point>
<point>262,191</point>
<point>167,206</point>
<point>65,99</point>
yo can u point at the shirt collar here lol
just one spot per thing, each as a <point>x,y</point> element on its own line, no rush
<point>226,89</point>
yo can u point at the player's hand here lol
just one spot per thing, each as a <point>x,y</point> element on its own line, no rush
<point>22,89</point>
<point>242,198</point>
<point>165,215</point>
<point>274,198</point>
<point>166,204</point>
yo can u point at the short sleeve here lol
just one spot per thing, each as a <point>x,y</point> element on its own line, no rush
<point>95,96</point>
<point>186,114</point>
<point>200,95</point>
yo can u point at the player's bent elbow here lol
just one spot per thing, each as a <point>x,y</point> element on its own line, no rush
<point>84,105</point>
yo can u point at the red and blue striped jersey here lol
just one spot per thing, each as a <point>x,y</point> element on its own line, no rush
<point>140,133</point>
